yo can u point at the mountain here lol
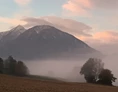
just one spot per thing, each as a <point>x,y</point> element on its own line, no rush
<point>1,35</point>
<point>10,35</point>
<point>44,42</point>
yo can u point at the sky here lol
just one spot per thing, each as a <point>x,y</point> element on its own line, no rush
<point>98,18</point>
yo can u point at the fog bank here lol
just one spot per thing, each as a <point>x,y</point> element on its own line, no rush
<point>69,70</point>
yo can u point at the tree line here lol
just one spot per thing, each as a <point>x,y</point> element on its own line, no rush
<point>94,72</point>
<point>11,66</point>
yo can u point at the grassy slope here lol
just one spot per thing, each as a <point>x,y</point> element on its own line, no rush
<point>17,84</point>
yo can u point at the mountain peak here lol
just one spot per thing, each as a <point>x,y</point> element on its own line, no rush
<point>40,28</point>
<point>43,27</point>
<point>18,28</point>
<point>12,34</point>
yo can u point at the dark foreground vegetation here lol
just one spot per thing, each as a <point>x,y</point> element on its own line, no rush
<point>11,66</point>
<point>94,72</point>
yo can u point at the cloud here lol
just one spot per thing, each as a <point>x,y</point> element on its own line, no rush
<point>84,7</point>
<point>105,4</point>
<point>103,37</point>
<point>77,7</point>
<point>67,25</point>
<point>22,2</point>
<point>106,36</point>
<point>32,21</point>
<point>12,21</point>
<point>104,41</point>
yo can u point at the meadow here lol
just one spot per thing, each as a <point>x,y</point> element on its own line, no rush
<point>20,84</point>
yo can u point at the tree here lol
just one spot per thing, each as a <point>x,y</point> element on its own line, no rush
<point>91,70</point>
<point>21,69</point>
<point>10,65</point>
<point>106,77</point>
<point>1,65</point>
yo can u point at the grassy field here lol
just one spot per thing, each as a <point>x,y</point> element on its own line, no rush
<point>44,78</point>
<point>17,84</point>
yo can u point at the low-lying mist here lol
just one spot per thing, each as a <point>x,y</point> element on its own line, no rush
<point>68,70</point>
<point>111,62</point>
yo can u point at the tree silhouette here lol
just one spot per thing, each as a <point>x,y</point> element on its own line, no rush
<point>1,66</point>
<point>21,69</point>
<point>91,69</point>
<point>11,65</point>
<point>106,77</point>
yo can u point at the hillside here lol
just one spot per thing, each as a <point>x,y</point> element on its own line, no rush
<point>17,84</point>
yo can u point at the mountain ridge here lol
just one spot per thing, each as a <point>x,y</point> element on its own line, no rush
<point>44,41</point>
